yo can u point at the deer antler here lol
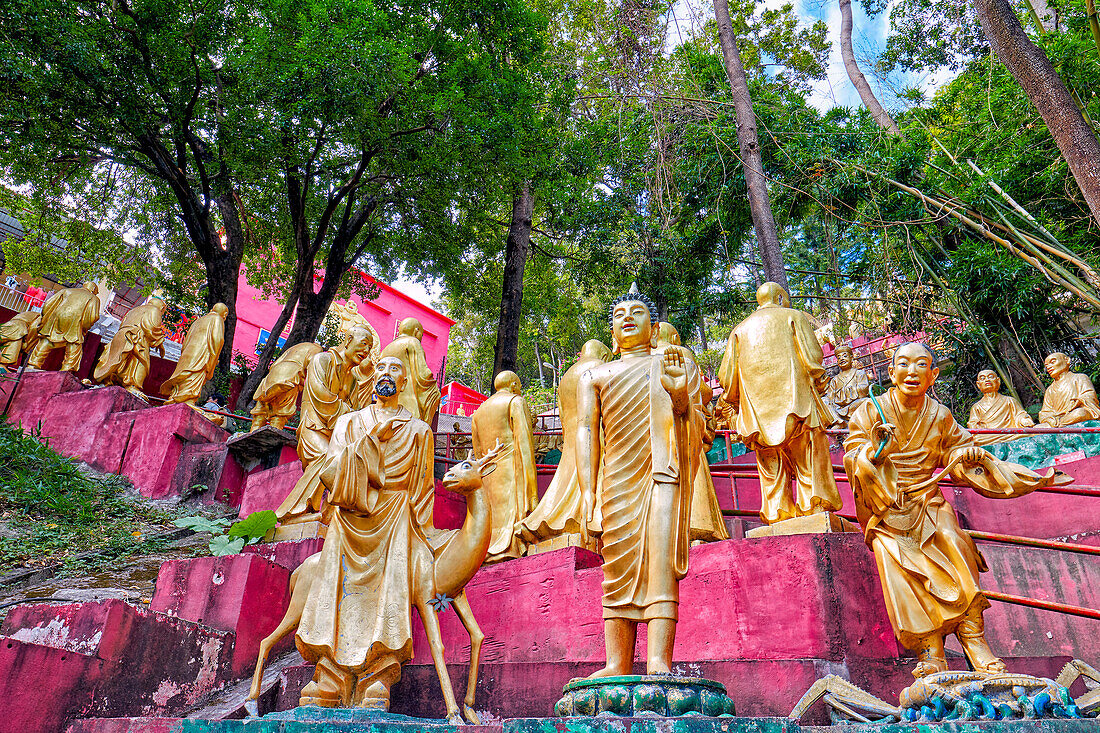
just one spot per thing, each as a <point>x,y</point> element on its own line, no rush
<point>490,455</point>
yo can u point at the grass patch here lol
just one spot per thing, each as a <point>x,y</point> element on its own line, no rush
<point>51,511</point>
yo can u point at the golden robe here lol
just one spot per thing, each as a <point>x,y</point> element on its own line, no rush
<point>198,359</point>
<point>771,372</point>
<point>927,565</point>
<point>277,394</point>
<point>325,398</point>
<point>1073,390</point>
<point>66,317</point>
<point>358,611</point>
<point>649,459</point>
<point>845,390</point>
<point>512,489</point>
<point>706,513</point>
<point>996,412</point>
<point>18,335</point>
<point>421,395</point>
<point>126,360</point>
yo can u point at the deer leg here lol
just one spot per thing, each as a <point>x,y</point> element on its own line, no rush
<point>466,616</point>
<point>299,591</point>
<point>435,643</point>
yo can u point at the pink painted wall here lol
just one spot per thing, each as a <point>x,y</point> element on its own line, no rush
<point>457,394</point>
<point>254,312</point>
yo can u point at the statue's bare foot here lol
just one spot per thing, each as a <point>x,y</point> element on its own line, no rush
<point>925,668</point>
<point>657,668</point>
<point>454,717</point>
<point>607,671</point>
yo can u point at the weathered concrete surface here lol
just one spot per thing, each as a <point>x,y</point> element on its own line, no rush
<point>266,489</point>
<point>33,393</point>
<point>289,554</point>
<point>42,688</point>
<point>77,424</point>
<point>245,594</point>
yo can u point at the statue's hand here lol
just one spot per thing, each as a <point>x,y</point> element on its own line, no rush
<point>972,456</point>
<point>883,435</point>
<point>674,371</point>
<point>588,509</point>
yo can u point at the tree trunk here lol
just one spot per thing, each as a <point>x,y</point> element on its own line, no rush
<point>870,101</point>
<point>1033,71</point>
<point>511,297</point>
<point>703,333</point>
<point>759,202</point>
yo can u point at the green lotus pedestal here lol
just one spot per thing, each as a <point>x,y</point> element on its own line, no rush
<point>638,695</point>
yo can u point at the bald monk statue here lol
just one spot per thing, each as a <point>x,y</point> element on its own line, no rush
<point>995,411</point>
<point>421,395</point>
<point>276,396</point>
<point>66,317</point>
<point>198,358</point>
<point>648,409</point>
<point>1071,398</point>
<point>774,383</point>
<point>504,419</point>
<point>706,512</point>
<point>560,511</point>
<point>125,362</point>
<point>848,387</point>
<point>17,337</point>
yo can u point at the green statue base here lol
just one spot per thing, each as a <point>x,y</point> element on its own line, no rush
<point>1039,451</point>
<point>667,696</point>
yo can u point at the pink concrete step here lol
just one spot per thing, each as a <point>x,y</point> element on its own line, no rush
<point>289,554</point>
<point>33,393</point>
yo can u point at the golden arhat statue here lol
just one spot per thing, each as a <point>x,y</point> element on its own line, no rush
<point>1071,398</point>
<point>560,512</point>
<point>649,411</point>
<point>848,387</point>
<point>125,361</point>
<point>198,358</point>
<point>773,381</point>
<point>995,411</point>
<point>17,337</point>
<point>421,395</point>
<point>66,317</point>
<point>512,489</point>
<point>276,396</point>
<point>927,565</point>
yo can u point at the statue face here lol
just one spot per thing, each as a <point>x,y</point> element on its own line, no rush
<point>913,371</point>
<point>631,324</point>
<point>844,359</point>
<point>359,346</point>
<point>988,382</point>
<point>1056,364</point>
<point>389,376</point>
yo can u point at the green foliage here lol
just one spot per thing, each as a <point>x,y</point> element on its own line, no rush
<point>228,537</point>
<point>54,512</point>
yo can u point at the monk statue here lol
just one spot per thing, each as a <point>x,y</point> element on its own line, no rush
<point>649,411</point>
<point>198,358</point>
<point>774,383</point>
<point>512,489</point>
<point>1071,398</point>
<point>927,565</point>
<point>421,395</point>
<point>66,317</point>
<point>848,387</point>
<point>125,361</point>
<point>560,511</point>
<point>18,336</point>
<point>356,622</point>
<point>330,383</point>
<point>706,513</point>
<point>276,396</point>
<point>995,411</point>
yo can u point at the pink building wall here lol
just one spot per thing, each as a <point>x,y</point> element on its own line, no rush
<point>457,395</point>
<point>254,313</point>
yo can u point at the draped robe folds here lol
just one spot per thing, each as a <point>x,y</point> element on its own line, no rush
<point>18,335</point>
<point>277,394</point>
<point>512,489</point>
<point>126,359</point>
<point>357,613</point>
<point>649,459</point>
<point>68,314</point>
<point>996,412</point>
<point>324,399</point>
<point>421,395</point>
<point>927,565</point>
<point>198,359</point>
<point>1066,394</point>
<point>845,390</point>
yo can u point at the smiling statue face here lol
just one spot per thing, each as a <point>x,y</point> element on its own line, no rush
<point>913,371</point>
<point>988,382</point>
<point>844,359</point>
<point>359,344</point>
<point>1056,364</point>
<point>389,377</point>
<point>631,324</point>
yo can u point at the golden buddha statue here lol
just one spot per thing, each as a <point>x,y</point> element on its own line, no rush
<point>995,411</point>
<point>848,387</point>
<point>1070,398</point>
<point>928,567</point>
<point>648,409</point>
<point>774,381</point>
<point>17,337</point>
<point>66,317</point>
<point>125,361</point>
<point>512,489</point>
<point>561,511</point>
<point>421,394</point>
<point>706,513</point>
<point>276,396</point>
<point>198,358</point>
